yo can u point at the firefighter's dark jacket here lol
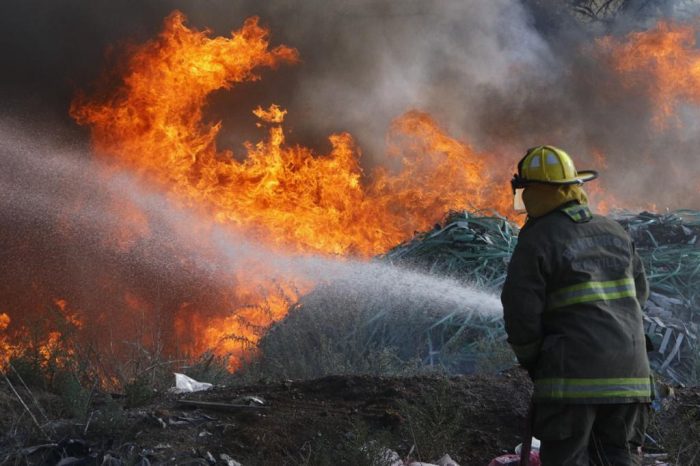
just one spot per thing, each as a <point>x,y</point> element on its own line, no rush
<point>571,305</point>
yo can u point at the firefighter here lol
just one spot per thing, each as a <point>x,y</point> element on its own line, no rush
<point>572,310</point>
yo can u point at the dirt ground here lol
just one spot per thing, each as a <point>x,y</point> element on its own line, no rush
<point>332,420</point>
<point>335,420</point>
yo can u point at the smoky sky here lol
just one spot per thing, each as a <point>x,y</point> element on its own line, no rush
<point>502,74</point>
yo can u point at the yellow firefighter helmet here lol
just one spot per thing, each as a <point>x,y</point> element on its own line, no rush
<point>549,165</point>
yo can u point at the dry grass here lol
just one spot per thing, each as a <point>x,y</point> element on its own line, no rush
<point>336,331</point>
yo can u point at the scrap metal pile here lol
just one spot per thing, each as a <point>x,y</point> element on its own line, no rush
<point>477,249</point>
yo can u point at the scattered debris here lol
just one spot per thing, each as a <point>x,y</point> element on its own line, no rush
<point>249,401</point>
<point>446,461</point>
<point>228,461</point>
<point>534,446</point>
<point>514,460</point>
<point>185,384</point>
<point>389,457</point>
<point>218,406</point>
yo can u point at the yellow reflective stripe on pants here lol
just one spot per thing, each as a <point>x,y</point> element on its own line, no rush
<point>592,291</point>
<point>561,388</point>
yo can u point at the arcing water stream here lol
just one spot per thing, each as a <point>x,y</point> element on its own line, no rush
<point>119,246</point>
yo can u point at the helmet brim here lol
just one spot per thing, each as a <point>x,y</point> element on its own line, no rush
<point>581,177</point>
<point>587,175</point>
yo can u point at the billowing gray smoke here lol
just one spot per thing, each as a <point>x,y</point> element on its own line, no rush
<point>502,74</point>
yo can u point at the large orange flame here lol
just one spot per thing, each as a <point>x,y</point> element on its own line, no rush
<point>281,194</point>
<point>284,194</point>
<point>664,61</point>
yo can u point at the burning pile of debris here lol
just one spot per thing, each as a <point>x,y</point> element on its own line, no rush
<point>474,249</point>
<point>340,328</point>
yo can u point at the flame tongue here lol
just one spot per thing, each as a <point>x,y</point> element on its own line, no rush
<point>154,120</point>
<point>285,196</point>
<point>663,61</point>
<point>6,349</point>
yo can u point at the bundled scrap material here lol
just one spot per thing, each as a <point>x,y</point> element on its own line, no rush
<point>471,247</point>
<point>475,249</point>
<point>340,328</point>
<point>670,247</point>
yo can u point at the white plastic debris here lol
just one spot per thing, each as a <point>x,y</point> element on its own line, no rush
<point>184,384</point>
<point>446,461</point>
<point>249,401</point>
<point>389,457</point>
<point>534,447</point>
<point>228,461</point>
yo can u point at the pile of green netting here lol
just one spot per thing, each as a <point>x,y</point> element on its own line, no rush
<point>670,247</point>
<point>475,249</point>
<point>471,247</point>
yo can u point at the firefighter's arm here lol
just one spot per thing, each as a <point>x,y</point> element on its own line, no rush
<point>640,279</point>
<point>523,298</point>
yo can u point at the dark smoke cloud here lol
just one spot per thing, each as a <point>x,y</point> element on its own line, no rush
<point>503,74</point>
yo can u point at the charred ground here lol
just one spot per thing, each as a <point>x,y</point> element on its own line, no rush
<point>331,420</point>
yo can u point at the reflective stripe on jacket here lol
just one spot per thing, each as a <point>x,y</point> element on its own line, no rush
<point>571,305</point>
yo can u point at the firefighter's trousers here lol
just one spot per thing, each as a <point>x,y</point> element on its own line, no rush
<point>584,435</point>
